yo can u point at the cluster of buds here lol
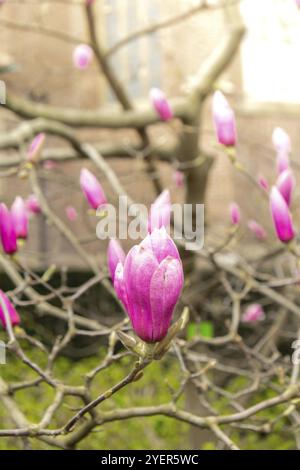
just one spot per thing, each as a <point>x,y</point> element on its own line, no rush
<point>281,192</point>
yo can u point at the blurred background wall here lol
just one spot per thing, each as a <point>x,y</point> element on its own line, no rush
<point>266,69</point>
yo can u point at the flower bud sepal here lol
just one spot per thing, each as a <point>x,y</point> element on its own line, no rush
<point>148,352</point>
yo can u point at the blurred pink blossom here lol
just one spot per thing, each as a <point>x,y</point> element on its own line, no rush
<point>282,218</point>
<point>235,213</point>
<point>161,104</point>
<point>178,178</point>
<point>263,183</point>
<point>253,313</point>
<point>32,204</point>
<point>71,213</point>
<point>286,183</point>
<point>82,56</point>
<point>10,309</point>
<point>224,120</point>
<point>257,230</point>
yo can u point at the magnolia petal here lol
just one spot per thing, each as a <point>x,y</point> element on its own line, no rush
<point>115,254</point>
<point>165,289</point>
<point>139,267</point>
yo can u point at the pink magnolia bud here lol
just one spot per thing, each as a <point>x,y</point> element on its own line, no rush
<point>82,56</point>
<point>286,183</point>
<point>20,217</point>
<point>71,213</point>
<point>297,3</point>
<point>92,189</point>
<point>224,120</point>
<point>282,217</point>
<point>13,314</point>
<point>115,255</point>
<point>178,178</point>
<point>32,204</point>
<point>235,213</point>
<point>35,148</point>
<point>257,230</point>
<point>89,2</point>
<point>161,104</point>
<point>253,313</point>
<point>263,183</point>
<point>150,284</point>
<point>160,211</point>
<point>7,231</point>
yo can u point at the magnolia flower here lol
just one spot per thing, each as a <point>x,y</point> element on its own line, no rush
<point>257,229</point>
<point>149,285</point>
<point>82,56</point>
<point>160,211</point>
<point>71,213</point>
<point>282,217</point>
<point>35,148</point>
<point>253,313</point>
<point>19,215</point>
<point>224,120</point>
<point>178,178</point>
<point>235,213</point>
<point>92,189</point>
<point>32,204</point>
<point>285,184</point>
<point>115,255</point>
<point>13,314</point>
<point>161,104</point>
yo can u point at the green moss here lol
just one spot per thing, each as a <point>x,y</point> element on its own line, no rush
<point>155,387</point>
